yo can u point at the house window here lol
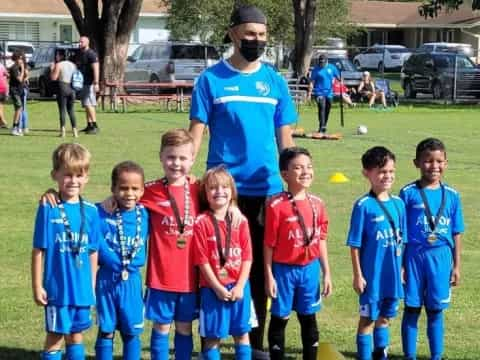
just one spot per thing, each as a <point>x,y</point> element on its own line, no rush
<point>65,33</point>
<point>20,30</point>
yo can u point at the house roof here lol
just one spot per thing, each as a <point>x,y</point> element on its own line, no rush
<point>405,14</point>
<point>58,7</point>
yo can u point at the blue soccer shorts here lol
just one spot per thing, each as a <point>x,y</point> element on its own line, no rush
<point>387,308</point>
<point>67,319</point>
<point>298,288</point>
<point>119,303</point>
<point>219,318</point>
<point>164,307</point>
<point>427,277</point>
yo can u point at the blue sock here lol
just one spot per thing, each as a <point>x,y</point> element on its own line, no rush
<point>104,348</point>
<point>211,354</point>
<point>243,352</point>
<point>364,346</point>
<point>51,355</point>
<point>183,346</point>
<point>409,334</point>
<point>381,339</point>
<point>75,352</point>
<point>132,347</point>
<point>159,345</point>
<point>435,333</point>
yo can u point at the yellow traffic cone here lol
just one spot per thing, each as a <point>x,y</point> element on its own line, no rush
<point>338,178</point>
<point>327,351</point>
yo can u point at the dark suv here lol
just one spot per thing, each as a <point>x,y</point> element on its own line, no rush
<point>433,73</point>
<point>39,76</point>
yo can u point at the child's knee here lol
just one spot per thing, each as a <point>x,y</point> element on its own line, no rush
<point>365,325</point>
<point>242,339</point>
<point>184,328</point>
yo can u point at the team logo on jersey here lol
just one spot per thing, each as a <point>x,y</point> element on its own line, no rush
<point>262,88</point>
<point>56,221</point>
<point>329,71</point>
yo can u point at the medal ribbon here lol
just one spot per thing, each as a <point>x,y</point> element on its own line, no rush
<point>181,224</point>
<point>398,236</point>
<point>432,221</point>
<point>223,253</point>
<point>68,229</point>
<point>301,221</point>
<point>127,255</point>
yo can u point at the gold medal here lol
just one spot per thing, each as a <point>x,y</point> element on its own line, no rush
<point>223,273</point>
<point>432,238</point>
<point>125,275</point>
<point>181,242</point>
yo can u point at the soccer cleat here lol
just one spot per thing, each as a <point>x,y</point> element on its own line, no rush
<point>92,131</point>
<point>88,127</point>
<point>260,355</point>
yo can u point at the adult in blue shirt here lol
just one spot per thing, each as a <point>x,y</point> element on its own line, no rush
<point>248,110</point>
<point>322,78</point>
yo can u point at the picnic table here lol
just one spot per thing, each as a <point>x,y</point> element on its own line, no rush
<point>122,91</point>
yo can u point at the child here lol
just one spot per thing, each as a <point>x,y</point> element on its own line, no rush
<point>171,280</point>
<point>17,77</point>
<point>376,237</point>
<point>64,256</point>
<point>295,248</point>
<point>435,225</point>
<point>121,255</point>
<point>224,255</point>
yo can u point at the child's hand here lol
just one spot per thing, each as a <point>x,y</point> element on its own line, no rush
<point>109,204</point>
<point>236,293</point>
<point>236,216</point>
<point>327,286</point>
<point>222,293</point>
<point>359,284</point>
<point>455,277</point>
<point>50,197</point>
<point>271,287</point>
<point>40,296</point>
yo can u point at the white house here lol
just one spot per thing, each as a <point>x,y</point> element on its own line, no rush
<point>40,21</point>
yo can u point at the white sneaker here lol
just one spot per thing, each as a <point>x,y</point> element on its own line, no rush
<point>17,132</point>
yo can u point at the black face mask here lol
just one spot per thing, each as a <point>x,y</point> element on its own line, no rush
<point>251,50</point>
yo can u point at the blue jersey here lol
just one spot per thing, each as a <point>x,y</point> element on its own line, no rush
<point>449,224</point>
<point>242,111</point>
<point>380,254</point>
<point>322,78</point>
<point>109,252</point>
<point>67,281</point>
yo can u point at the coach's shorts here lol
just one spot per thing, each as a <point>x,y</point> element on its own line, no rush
<point>218,318</point>
<point>67,319</point>
<point>427,277</point>
<point>163,307</point>
<point>298,289</point>
<point>88,96</point>
<point>387,308</point>
<point>119,303</point>
<point>16,100</point>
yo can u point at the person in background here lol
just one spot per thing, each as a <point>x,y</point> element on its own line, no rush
<point>16,75</point>
<point>62,70</point>
<point>367,90</point>
<point>3,95</point>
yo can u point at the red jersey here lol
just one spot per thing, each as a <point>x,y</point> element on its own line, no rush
<point>169,266</point>
<point>206,249</point>
<point>284,234</point>
<point>339,87</point>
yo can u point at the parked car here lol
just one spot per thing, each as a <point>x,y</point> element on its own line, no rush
<point>39,77</point>
<point>169,61</point>
<point>7,48</point>
<point>350,74</point>
<point>382,57</point>
<point>459,48</point>
<point>434,73</point>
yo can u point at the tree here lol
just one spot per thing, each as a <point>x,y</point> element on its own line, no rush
<point>297,28</point>
<point>108,26</point>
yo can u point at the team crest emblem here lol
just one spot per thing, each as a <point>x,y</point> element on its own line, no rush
<point>262,88</point>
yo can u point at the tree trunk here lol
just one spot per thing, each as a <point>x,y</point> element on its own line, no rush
<point>304,23</point>
<point>109,33</point>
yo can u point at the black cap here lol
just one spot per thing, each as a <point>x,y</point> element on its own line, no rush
<point>245,14</point>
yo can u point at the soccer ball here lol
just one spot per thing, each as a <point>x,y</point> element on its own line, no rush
<point>362,130</point>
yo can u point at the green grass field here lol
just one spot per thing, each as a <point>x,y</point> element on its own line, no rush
<point>26,166</point>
